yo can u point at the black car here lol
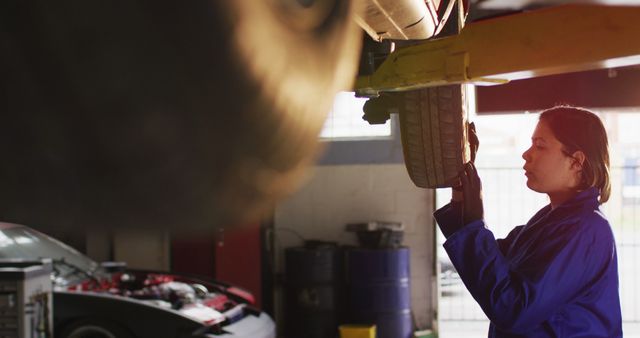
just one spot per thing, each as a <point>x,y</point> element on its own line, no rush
<point>92,300</point>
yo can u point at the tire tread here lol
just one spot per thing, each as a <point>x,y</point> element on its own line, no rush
<point>432,125</point>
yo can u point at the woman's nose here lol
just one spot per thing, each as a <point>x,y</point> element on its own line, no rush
<point>525,155</point>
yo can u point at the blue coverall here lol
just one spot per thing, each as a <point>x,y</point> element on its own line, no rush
<point>556,276</point>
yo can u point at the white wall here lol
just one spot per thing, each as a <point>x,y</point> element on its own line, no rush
<point>341,194</point>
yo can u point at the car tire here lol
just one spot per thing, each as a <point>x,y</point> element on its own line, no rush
<point>434,135</point>
<point>162,113</point>
<point>94,329</point>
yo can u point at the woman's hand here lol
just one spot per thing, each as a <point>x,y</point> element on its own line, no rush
<point>457,194</point>
<point>472,209</point>
<point>474,142</point>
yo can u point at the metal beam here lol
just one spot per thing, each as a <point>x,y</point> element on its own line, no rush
<point>522,4</point>
<point>548,41</point>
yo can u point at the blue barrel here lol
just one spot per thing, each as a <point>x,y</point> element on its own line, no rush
<point>379,291</point>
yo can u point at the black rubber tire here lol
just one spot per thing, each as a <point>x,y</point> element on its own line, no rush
<point>164,113</point>
<point>434,135</point>
<point>94,328</point>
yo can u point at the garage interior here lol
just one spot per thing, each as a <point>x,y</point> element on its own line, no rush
<point>356,238</point>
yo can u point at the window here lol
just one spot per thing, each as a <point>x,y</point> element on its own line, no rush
<point>345,121</point>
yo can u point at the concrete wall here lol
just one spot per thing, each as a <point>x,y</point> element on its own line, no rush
<point>339,194</point>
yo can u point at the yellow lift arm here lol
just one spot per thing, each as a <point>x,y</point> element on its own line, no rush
<point>543,42</point>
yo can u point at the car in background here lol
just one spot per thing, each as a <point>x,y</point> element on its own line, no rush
<point>92,300</point>
<point>450,283</point>
<point>448,274</point>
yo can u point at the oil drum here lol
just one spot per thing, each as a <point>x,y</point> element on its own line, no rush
<point>379,291</point>
<point>314,287</point>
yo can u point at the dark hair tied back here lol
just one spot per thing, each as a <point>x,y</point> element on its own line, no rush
<point>579,129</point>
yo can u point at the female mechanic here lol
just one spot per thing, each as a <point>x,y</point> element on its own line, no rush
<point>557,275</point>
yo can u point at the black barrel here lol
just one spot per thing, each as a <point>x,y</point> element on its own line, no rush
<point>314,287</point>
<point>379,290</point>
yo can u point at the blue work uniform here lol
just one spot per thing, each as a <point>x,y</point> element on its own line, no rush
<point>556,276</point>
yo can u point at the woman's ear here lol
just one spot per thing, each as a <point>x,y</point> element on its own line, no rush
<point>578,160</point>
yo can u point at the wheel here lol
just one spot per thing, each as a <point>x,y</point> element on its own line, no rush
<point>94,329</point>
<point>433,124</point>
<point>165,113</point>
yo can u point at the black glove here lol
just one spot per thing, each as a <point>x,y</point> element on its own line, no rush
<point>474,143</point>
<point>449,218</point>
<point>472,189</point>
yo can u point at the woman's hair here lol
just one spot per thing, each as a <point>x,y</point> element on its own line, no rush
<point>580,129</point>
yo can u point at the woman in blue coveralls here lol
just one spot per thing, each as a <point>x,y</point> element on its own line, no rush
<point>557,275</point>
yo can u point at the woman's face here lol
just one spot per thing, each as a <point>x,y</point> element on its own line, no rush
<point>547,168</point>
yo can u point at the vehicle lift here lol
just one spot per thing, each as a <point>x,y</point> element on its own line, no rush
<point>548,41</point>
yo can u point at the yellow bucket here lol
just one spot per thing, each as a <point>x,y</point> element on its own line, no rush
<point>357,331</point>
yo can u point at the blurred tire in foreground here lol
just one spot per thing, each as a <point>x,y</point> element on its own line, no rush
<point>164,113</point>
